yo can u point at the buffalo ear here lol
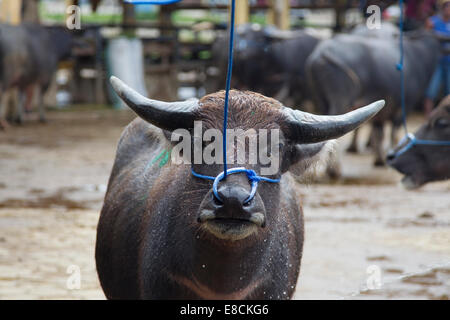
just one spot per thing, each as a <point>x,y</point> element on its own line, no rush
<point>302,156</point>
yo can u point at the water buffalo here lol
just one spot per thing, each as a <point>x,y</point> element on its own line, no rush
<point>424,163</point>
<point>163,234</point>
<point>268,61</point>
<point>350,70</point>
<point>29,56</point>
<point>387,30</point>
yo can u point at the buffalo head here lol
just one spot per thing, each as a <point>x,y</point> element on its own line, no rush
<point>425,163</point>
<point>300,136</point>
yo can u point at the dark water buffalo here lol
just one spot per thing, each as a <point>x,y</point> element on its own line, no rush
<point>349,70</point>
<point>162,234</point>
<point>387,30</point>
<point>423,163</point>
<point>268,61</point>
<point>29,56</point>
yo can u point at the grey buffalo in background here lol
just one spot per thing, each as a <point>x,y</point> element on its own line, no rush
<point>386,30</point>
<point>163,235</point>
<point>350,70</point>
<point>423,163</point>
<point>266,60</point>
<point>29,56</point>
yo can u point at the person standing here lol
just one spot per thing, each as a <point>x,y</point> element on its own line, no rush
<point>417,12</point>
<point>440,24</point>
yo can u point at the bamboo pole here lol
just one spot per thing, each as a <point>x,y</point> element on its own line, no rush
<point>242,12</point>
<point>11,11</point>
<point>278,14</point>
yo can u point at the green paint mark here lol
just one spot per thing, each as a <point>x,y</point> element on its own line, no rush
<point>162,157</point>
<point>158,157</point>
<point>164,160</point>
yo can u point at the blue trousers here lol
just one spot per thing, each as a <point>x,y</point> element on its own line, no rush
<point>441,76</point>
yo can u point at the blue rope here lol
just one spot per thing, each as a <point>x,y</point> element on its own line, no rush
<point>227,87</point>
<point>400,67</point>
<point>409,137</point>
<point>411,140</point>
<point>251,174</point>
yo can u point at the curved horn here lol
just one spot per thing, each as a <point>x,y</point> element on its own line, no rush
<point>305,127</point>
<point>165,115</point>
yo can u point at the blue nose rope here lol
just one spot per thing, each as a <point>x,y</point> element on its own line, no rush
<point>410,141</point>
<point>251,174</point>
<point>409,138</point>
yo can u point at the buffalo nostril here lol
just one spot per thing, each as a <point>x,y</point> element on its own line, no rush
<point>217,201</point>
<point>232,197</point>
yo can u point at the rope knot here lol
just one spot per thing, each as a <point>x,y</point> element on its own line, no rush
<point>252,176</point>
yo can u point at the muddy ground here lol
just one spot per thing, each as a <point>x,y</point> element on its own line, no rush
<point>359,230</point>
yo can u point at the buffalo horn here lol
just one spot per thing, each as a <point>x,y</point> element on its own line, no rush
<point>305,127</point>
<point>165,115</point>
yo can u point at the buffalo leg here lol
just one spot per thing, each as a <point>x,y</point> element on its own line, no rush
<point>394,130</point>
<point>353,147</point>
<point>369,143</point>
<point>42,117</point>
<point>29,91</point>
<point>377,140</point>
<point>21,100</point>
<point>3,109</point>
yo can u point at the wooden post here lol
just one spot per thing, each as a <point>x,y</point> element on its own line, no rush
<point>340,15</point>
<point>30,11</point>
<point>242,12</point>
<point>270,13</point>
<point>11,11</point>
<point>284,22</point>
<point>279,14</point>
<point>129,16</point>
<point>99,79</point>
<point>163,85</point>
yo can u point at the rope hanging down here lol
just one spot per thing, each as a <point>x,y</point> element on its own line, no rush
<point>409,139</point>
<point>251,174</point>
<point>227,87</point>
<point>400,67</point>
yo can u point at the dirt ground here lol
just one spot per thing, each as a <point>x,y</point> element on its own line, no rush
<point>362,231</point>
